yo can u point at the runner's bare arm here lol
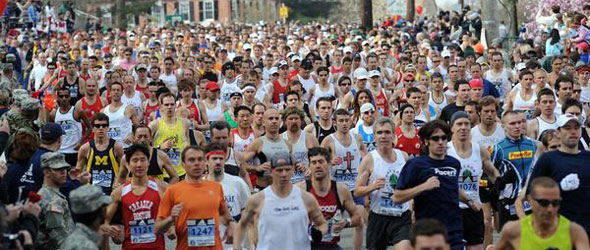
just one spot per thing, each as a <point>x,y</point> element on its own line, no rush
<point>166,163</point>
<point>130,113</point>
<point>248,215</point>
<point>349,205</point>
<point>579,237</point>
<point>365,169</point>
<point>310,128</point>
<point>362,146</point>
<point>113,206</point>
<point>83,157</point>
<point>314,212</point>
<point>532,128</point>
<point>251,151</point>
<point>510,232</point>
<point>123,171</point>
<point>310,140</point>
<point>328,143</point>
<point>488,166</point>
<point>80,115</point>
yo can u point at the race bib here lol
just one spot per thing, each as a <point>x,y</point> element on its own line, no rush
<point>142,231</point>
<point>114,132</point>
<point>201,232</point>
<point>102,178</point>
<point>174,155</point>
<point>346,177</point>
<point>73,92</point>
<point>525,205</point>
<point>298,176</point>
<point>390,208</point>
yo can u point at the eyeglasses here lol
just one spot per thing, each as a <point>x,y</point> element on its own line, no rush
<point>345,84</point>
<point>370,112</point>
<point>577,91</point>
<point>107,61</point>
<point>208,62</point>
<point>439,138</point>
<point>128,54</point>
<point>100,125</point>
<point>546,202</point>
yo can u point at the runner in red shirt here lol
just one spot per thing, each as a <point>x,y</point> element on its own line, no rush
<point>407,134</point>
<point>91,103</point>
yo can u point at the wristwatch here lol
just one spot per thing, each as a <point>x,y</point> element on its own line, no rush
<point>348,222</point>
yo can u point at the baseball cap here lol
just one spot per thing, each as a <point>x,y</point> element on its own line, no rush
<point>410,66</point>
<point>445,53</point>
<point>283,63</point>
<point>51,131</point>
<point>246,46</point>
<point>367,107</point>
<point>347,49</point>
<point>306,64</point>
<point>212,86</point>
<point>374,73</point>
<point>520,66</point>
<point>361,73</point>
<point>475,83</point>
<point>54,160</point>
<point>274,70</point>
<point>295,58</point>
<point>565,118</point>
<point>141,66</point>
<point>235,92</point>
<point>88,199</point>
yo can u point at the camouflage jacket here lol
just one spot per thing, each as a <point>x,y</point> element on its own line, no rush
<point>82,238</point>
<point>55,219</point>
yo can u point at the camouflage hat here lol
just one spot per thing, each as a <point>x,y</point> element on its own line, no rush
<point>54,160</point>
<point>30,104</point>
<point>18,97</point>
<point>87,199</point>
<point>20,92</point>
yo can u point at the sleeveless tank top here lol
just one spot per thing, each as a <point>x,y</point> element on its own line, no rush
<point>307,83</point>
<point>103,166</point>
<point>216,113</point>
<point>471,172</point>
<point>420,119</point>
<point>529,240</point>
<point>154,169</point>
<point>330,205</point>
<point>271,149</point>
<point>194,113</point>
<point>48,97</point>
<point>283,222</point>
<point>347,171</point>
<point>487,141</point>
<point>543,125</point>
<point>321,133</point>
<point>142,90</point>
<point>299,153</point>
<point>74,90</point>
<point>120,126</point>
<point>381,199</point>
<point>178,134</point>
<point>318,93</point>
<point>149,109</point>
<point>525,106</point>
<point>408,145</point>
<point>72,130</point>
<point>90,111</point>
<point>501,82</point>
<point>440,105</point>
<point>368,138</point>
<point>278,92</point>
<point>135,101</point>
<point>139,215</point>
<point>382,103</point>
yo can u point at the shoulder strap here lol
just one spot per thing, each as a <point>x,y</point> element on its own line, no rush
<point>334,188</point>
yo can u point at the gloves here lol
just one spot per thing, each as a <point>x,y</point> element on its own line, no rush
<point>570,182</point>
<point>316,235</point>
<point>507,178</point>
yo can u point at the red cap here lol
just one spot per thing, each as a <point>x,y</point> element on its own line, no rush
<point>476,83</point>
<point>212,86</point>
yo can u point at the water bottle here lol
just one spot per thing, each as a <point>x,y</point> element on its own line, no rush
<point>337,218</point>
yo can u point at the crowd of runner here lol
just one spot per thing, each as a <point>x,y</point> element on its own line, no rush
<point>281,136</point>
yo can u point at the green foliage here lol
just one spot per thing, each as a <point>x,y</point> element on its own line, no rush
<point>308,11</point>
<point>127,7</point>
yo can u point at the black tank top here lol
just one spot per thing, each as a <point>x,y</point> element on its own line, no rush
<point>74,90</point>
<point>103,166</point>
<point>321,133</point>
<point>154,167</point>
<point>585,140</point>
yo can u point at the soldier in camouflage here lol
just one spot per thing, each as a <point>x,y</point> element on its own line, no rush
<point>8,80</point>
<point>88,203</point>
<point>55,218</point>
<point>29,111</point>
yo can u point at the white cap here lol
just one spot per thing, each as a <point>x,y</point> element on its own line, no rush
<point>144,37</point>
<point>246,46</point>
<point>347,49</point>
<point>295,58</point>
<point>445,53</point>
<point>283,63</point>
<point>565,118</point>
<point>361,73</point>
<point>274,70</point>
<point>365,43</point>
<point>290,54</point>
<point>367,107</point>
<point>374,73</point>
<point>520,66</point>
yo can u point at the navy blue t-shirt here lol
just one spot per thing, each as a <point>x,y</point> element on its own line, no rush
<point>440,203</point>
<point>558,165</point>
<point>35,165</point>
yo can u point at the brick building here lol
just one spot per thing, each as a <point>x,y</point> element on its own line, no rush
<point>223,10</point>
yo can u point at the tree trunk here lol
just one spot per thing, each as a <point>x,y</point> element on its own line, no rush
<point>410,9</point>
<point>367,13</point>
<point>513,17</point>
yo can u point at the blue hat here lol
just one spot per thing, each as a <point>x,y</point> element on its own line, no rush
<point>51,131</point>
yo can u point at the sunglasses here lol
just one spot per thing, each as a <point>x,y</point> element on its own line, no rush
<point>107,61</point>
<point>439,138</point>
<point>546,202</point>
<point>101,125</point>
<point>577,91</point>
<point>345,84</point>
<point>369,112</point>
<point>63,96</point>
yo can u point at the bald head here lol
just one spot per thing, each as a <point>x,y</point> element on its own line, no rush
<point>272,120</point>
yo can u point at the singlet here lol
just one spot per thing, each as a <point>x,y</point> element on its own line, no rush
<point>408,145</point>
<point>440,105</point>
<point>227,88</point>
<point>420,119</point>
<point>336,70</point>
<point>48,97</point>
<point>90,111</point>
<point>382,199</point>
<point>230,121</point>
<point>278,92</point>
<point>216,113</point>
<point>103,166</point>
<point>135,101</point>
<point>142,90</point>
<point>585,140</point>
<point>318,93</point>
<point>585,96</point>
<point>347,171</point>
<point>561,238</point>
<point>178,133</point>
<point>321,133</point>
<point>139,215</point>
<point>74,90</point>
<point>72,130</point>
<point>231,166</point>
<point>154,169</point>
<point>543,125</point>
<point>382,103</point>
<point>194,113</point>
<point>283,222</point>
<point>307,83</point>
<point>149,109</point>
<point>487,141</point>
<point>299,153</point>
<point>120,126</point>
<point>525,106</point>
<point>501,82</point>
<point>330,205</point>
<point>271,149</point>
<point>471,172</point>
<point>368,136</point>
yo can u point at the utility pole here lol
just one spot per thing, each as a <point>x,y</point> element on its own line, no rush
<point>410,10</point>
<point>367,13</point>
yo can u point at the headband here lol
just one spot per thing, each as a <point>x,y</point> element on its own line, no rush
<point>217,152</point>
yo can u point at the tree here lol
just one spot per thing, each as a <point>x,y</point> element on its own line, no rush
<point>123,8</point>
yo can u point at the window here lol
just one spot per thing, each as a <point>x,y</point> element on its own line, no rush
<point>185,10</point>
<point>208,10</point>
<point>235,13</point>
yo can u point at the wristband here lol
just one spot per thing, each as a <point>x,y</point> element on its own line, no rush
<point>348,222</point>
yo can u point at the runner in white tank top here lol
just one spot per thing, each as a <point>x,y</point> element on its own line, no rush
<point>439,106</point>
<point>283,222</point>
<point>307,83</point>
<point>543,125</point>
<point>487,141</point>
<point>72,130</point>
<point>381,200</point>
<point>347,171</point>
<point>471,172</point>
<point>501,82</point>
<point>135,101</point>
<point>299,153</point>
<point>120,126</point>
<point>216,113</point>
<point>318,92</point>
<point>525,106</point>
